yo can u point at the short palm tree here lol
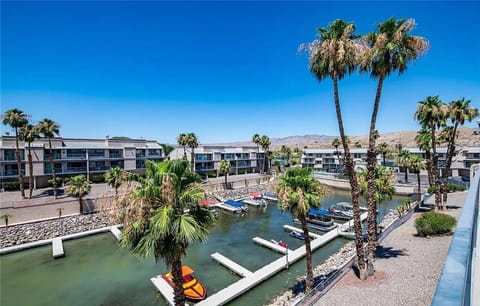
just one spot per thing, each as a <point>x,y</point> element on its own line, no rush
<point>286,152</point>
<point>192,142</point>
<point>417,164</point>
<point>29,133</point>
<point>334,55</point>
<point>403,159</point>
<point>114,178</point>
<point>78,186</point>
<point>49,129</point>
<point>182,140</point>
<point>265,144</point>
<point>336,143</point>
<point>383,149</point>
<point>162,216</point>
<point>298,191</point>
<point>432,113</point>
<point>167,149</point>
<point>224,169</point>
<point>256,140</point>
<point>16,119</point>
<point>459,111</point>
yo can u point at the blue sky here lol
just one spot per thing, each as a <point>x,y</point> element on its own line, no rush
<point>224,70</point>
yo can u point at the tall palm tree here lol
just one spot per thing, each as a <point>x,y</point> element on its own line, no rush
<point>384,180</point>
<point>182,140</point>
<point>16,119</point>
<point>336,143</point>
<point>459,111</point>
<point>29,133</point>
<point>286,152</point>
<point>334,55</point>
<point>224,168</point>
<point>265,144</point>
<point>192,142</point>
<point>431,114</point>
<point>162,216</point>
<point>78,186</point>
<point>424,142</point>
<point>403,159</point>
<point>298,191</point>
<point>417,164</point>
<point>49,129</point>
<point>115,178</point>
<point>256,140</point>
<point>383,149</point>
<point>389,49</point>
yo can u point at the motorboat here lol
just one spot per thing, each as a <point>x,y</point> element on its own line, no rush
<point>269,195</point>
<point>281,243</point>
<point>255,200</point>
<point>297,235</point>
<point>319,219</point>
<point>194,290</point>
<point>343,210</point>
<point>236,204</point>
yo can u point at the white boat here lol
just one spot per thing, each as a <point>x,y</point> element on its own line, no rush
<point>255,201</point>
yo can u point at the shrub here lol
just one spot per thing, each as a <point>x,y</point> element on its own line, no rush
<point>433,223</point>
<point>58,179</point>
<point>97,178</point>
<point>451,188</point>
<point>11,186</point>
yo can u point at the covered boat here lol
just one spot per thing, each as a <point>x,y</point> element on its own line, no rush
<point>193,288</point>
<point>319,219</point>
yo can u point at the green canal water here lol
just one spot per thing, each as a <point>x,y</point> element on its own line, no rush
<point>96,271</point>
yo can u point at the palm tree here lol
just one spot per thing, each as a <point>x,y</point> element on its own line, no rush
<point>389,49</point>
<point>265,144</point>
<point>192,142</point>
<point>384,180</point>
<point>78,186</point>
<point>256,140</point>
<point>182,140</point>
<point>16,119</point>
<point>403,159</point>
<point>50,129</point>
<point>358,144</point>
<point>431,114</point>
<point>298,191</point>
<point>286,152</point>
<point>336,143</point>
<point>383,149</point>
<point>115,178</point>
<point>417,164</point>
<point>29,133</point>
<point>162,216</point>
<point>424,142</point>
<point>334,55</point>
<point>459,111</point>
<point>224,168</point>
<point>167,149</point>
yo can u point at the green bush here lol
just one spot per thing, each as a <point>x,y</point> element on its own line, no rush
<point>57,179</point>
<point>212,174</point>
<point>433,223</point>
<point>11,186</point>
<point>97,178</point>
<point>451,188</point>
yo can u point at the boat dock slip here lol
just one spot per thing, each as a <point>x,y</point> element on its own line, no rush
<point>275,247</point>
<point>236,268</point>
<point>116,232</point>
<point>164,288</point>
<point>228,207</point>
<point>344,227</point>
<point>57,248</point>
<point>298,230</point>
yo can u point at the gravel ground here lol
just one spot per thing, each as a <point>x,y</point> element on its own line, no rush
<point>407,269</point>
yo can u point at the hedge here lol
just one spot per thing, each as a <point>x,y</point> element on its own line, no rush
<point>433,223</point>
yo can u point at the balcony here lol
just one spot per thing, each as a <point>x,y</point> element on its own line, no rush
<point>96,156</point>
<point>115,156</point>
<point>12,172</point>
<point>75,170</point>
<point>99,168</point>
<point>76,156</point>
<point>49,170</point>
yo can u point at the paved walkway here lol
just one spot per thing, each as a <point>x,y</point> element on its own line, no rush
<point>407,268</point>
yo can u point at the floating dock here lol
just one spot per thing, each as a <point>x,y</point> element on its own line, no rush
<point>57,248</point>
<point>116,232</point>
<point>233,266</point>
<point>164,288</point>
<point>298,230</point>
<point>228,207</point>
<point>253,202</point>
<point>268,244</point>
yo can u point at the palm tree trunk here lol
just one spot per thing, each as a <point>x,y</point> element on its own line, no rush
<point>448,162</point>
<point>226,184</point>
<point>80,201</point>
<point>30,170</point>
<point>428,158</point>
<point>308,255</point>
<point>52,165</point>
<point>179,294</point>
<point>258,152</point>
<point>354,187</point>
<point>419,188</point>
<point>435,174</point>
<point>406,172</point>
<point>193,159</point>
<point>384,155</point>
<point>19,165</point>
<point>184,153</point>
<point>371,189</point>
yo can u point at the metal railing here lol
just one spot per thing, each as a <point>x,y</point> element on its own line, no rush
<point>460,279</point>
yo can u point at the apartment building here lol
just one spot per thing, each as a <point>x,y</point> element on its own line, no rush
<point>329,160</point>
<point>243,159</point>
<point>76,156</point>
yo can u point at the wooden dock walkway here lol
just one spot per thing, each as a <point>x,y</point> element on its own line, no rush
<point>233,266</point>
<point>268,244</point>
<point>57,248</point>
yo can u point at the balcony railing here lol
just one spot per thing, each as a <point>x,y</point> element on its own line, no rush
<point>99,168</point>
<point>76,156</point>
<point>75,169</point>
<point>49,170</point>
<point>459,282</point>
<point>12,172</point>
<point>115,156</point>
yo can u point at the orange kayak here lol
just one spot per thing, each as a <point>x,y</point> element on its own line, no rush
<point>193,288</point>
